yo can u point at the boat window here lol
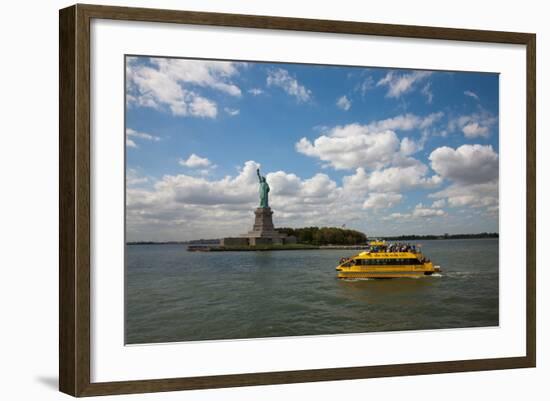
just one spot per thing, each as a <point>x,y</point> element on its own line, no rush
<point>383,262</point>
<point>389,262</point>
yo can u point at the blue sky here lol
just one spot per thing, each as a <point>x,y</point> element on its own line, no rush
<point>385,151</point>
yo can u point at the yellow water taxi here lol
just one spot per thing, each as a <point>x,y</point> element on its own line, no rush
<point>386,260</point>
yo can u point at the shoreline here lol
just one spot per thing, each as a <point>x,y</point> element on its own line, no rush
<point>298,247</point>
<point>306,246</point>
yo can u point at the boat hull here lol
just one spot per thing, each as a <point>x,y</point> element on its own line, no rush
<point>411,271</point>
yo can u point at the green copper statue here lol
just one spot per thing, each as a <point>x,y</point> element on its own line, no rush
<point>264,190</point>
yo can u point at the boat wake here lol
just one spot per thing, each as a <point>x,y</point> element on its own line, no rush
<point>351,280</point>
<point>461,274</point>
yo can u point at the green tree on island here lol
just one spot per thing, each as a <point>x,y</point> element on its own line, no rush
<point>325,235</point>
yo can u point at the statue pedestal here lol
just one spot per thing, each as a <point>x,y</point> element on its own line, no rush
<point>263,232</point>
<point>263,220</point>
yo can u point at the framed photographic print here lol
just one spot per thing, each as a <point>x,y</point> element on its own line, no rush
<point>250,200</point>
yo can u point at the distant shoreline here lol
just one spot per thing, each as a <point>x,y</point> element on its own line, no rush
<point>439,237</point>
<point>412,237</point>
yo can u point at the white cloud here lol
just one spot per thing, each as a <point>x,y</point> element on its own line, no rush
<point>370,146</point>
<point>471,195</point>
<point>473,171</point>
<point>418,212</point>
<point>290,185</point>
<point>397,215</point>
<point>195,161</point>
<point>319,186</point>
<point>382,200</point>
<point>356,183</point>
<point>255,91</point>
<point>173,83</point>
<point>471,94</point>
<point>352,146</point>
<point>422,211</point>
<point>401,178</point>
<point>200,107</point>
<point>142,135</point>
<point>282,79</point>
<point>391,179</point>
<point>474,125</point>
<point>408,146</point>
<point>366,85</point>
<point>399,84</point>
<point>212,74</point>
<point>473,130</point>
<point>200,191</point>
<point>344,103</point>
<point>284,184</point>
<point>439,203</point>
<point>406,122</point>
<point>468,164</point>
<point>427,91</point>
<point>134,179</point>
<point>132,134</point>
<point>232,112</point>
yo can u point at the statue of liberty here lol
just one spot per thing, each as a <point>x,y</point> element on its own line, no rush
<point>264,190</point>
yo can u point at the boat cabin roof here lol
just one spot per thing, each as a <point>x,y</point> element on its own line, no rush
<point>387,255</point>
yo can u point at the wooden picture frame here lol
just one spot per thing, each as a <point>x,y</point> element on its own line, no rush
<point>74,199</point>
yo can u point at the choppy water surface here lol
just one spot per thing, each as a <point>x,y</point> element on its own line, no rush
<point>175,295</point>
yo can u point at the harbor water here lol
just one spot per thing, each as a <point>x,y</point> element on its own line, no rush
<point>175,295</point>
